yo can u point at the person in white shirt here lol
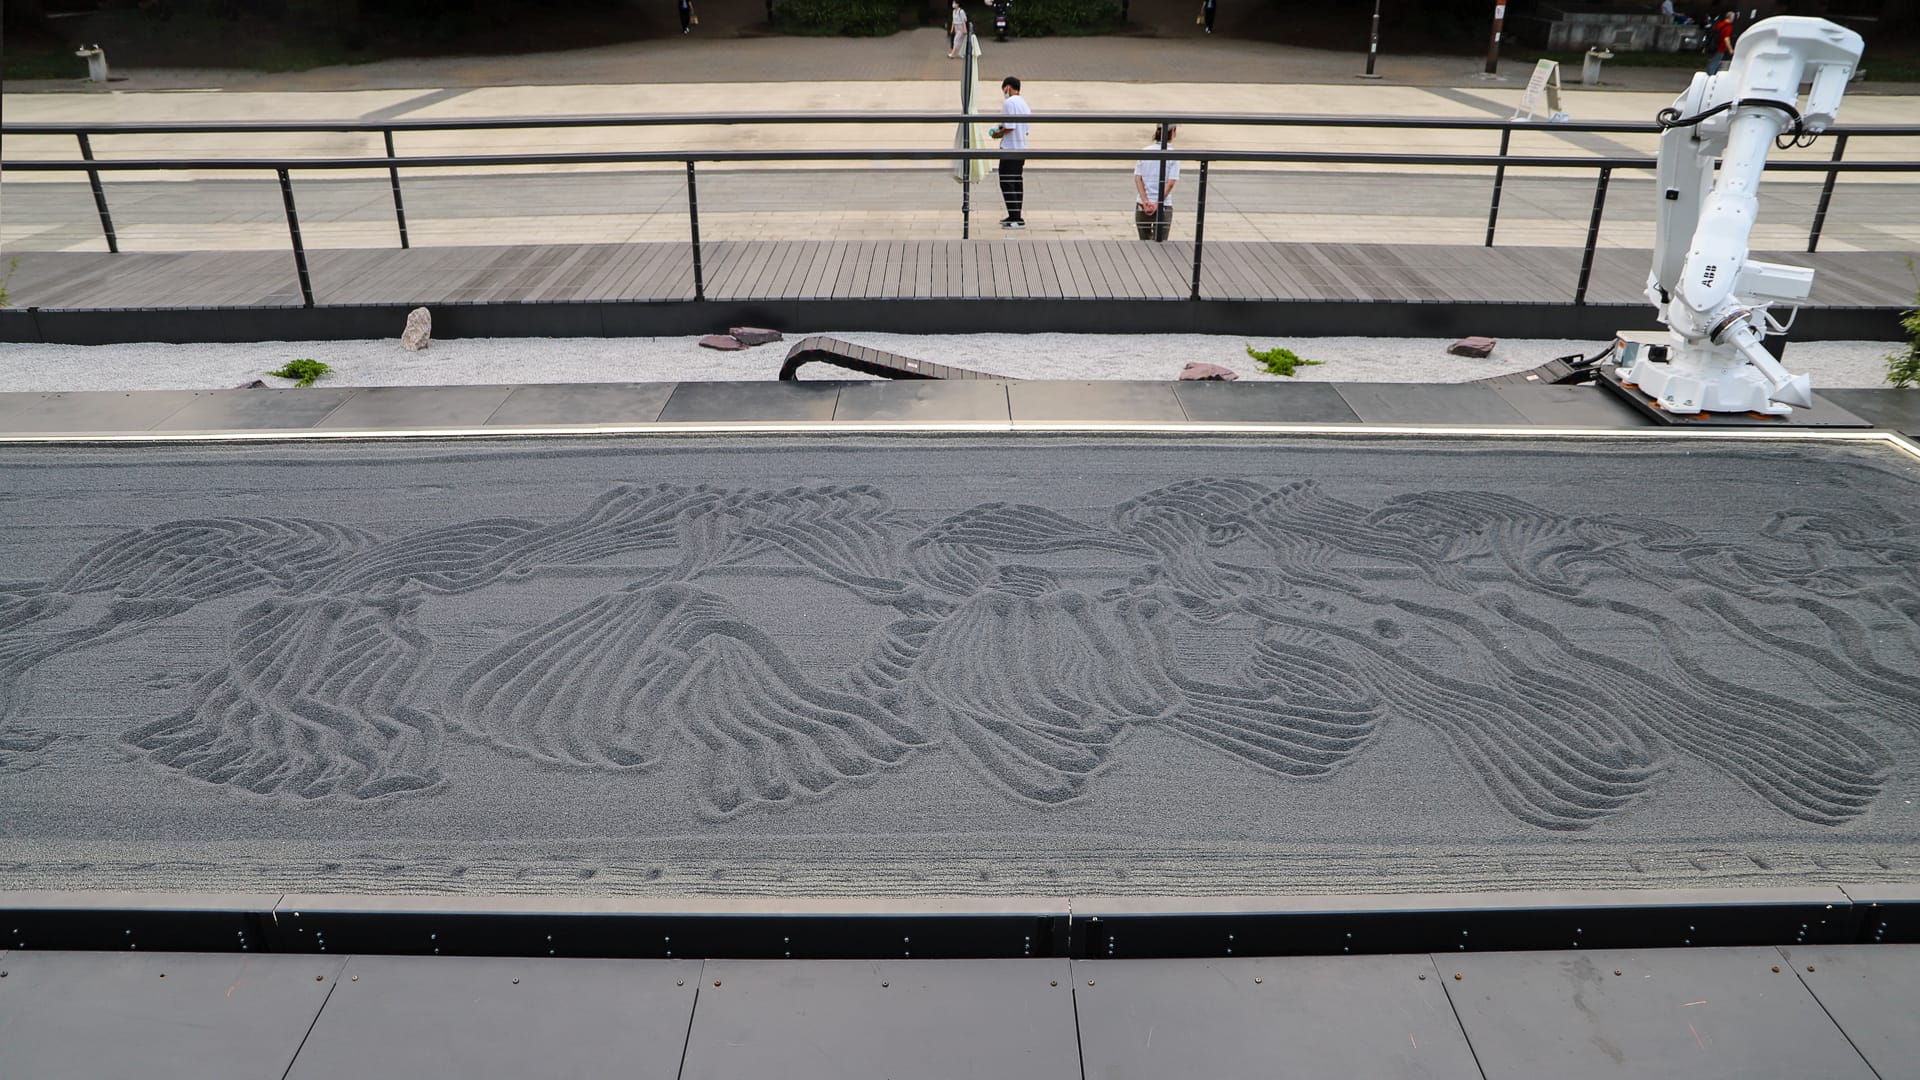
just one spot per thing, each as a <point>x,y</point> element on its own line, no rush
<point>1013,136</point>
<point>957,30</point>
<point>1153,182</point>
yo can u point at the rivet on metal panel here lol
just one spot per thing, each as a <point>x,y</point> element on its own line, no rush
<point>1090,981</point>
<point>716,982</point>
<point>356,978</point>
<point>1050,982</point>
<point>1423,978</point>
<point>516,982</point>
<point>163,974</point>
<point>1257,980</point>
<point>319,978</point>
<point>1809,967</point>
<point>679,982</point>
<point>1776,970</point>
<point>1457,976</point>
<point>1616,971</point>
<point>884,984</point>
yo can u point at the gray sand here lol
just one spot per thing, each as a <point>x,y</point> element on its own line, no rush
<point>498,361</point>
<point>958,665</point>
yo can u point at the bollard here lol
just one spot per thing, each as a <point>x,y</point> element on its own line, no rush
<point>1590,69</point>
<point>96,59</point>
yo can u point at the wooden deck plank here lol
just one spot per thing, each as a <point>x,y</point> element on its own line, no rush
<point>820,284</point>
<point>999,266</point>
<point>1119,272</point>
<point>802,284</point>
<point>658,275</point>
<point>899,283</point>
<point>1017,269</point>
<point>853,268</point>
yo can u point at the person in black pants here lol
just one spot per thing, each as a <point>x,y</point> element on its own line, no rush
<point>1012,134</point>
<point>686,16</point>
<point>1206,8</point>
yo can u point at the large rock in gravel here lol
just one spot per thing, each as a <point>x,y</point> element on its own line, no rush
<point>1473,346</point>
<point>723,342</point>
<point>754,335</point>
<point>1198,372</point>
<point>419,332</point>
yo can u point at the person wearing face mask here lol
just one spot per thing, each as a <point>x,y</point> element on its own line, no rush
<point>1013,136</point>
<point>956,31</point>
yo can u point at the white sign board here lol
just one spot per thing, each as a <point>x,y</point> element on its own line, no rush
<point>1542,94</point>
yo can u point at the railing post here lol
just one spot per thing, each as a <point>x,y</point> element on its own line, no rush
<point>1826,194</point>
<point>393,176</point>
<point>1593,235</point>
<point>1499,179</point>
<point>99,196</point>
<point>299,248</point>
<point>1199,230</point>
<point>1155,231</point>
<point>693,217</point>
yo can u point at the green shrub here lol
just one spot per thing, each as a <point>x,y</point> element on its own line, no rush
<point>1280,360</point>
<point>307,371</point>
<point>1903,365</point>
<point>837,18</point>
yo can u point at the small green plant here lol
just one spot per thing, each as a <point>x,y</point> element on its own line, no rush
<point>6,298</point>
<point>307,371</point>
<point>1279,360</point>
<point>1903,366</point>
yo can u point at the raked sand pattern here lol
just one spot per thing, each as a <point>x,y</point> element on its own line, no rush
<point>855,666</point>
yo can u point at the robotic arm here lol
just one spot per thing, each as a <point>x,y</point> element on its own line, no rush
<point>1711,295</point>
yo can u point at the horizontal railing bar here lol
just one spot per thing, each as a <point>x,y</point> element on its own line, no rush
<point>643,157</point>
<point>728,119</point>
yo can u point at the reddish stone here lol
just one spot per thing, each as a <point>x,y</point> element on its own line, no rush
<point>1473,346</point>
<point>723,342</point>
<point>754,335</point>
<point>1198,372</point>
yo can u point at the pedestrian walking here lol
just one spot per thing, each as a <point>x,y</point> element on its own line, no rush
<point>1153,181</point>
<point>686,16</point>
<point>957,30</point>
<point>1206,13</point>
<point>1722,43</point>
<point>1013,136</point>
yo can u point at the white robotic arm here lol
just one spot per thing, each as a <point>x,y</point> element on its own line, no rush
<point>1711,295</point>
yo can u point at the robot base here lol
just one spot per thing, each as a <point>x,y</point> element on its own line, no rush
<point>1615,379</point>
<point>1727,387</point>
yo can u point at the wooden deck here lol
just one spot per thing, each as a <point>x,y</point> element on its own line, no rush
<point>998,268</point>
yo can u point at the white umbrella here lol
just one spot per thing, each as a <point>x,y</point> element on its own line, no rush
<point>970,136</point>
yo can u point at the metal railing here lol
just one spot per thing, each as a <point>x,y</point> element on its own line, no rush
<point>392,162</point>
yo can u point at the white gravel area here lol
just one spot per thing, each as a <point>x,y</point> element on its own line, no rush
<point>493,361</point>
